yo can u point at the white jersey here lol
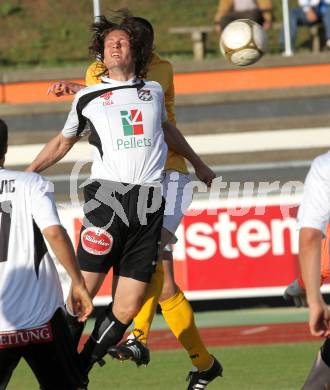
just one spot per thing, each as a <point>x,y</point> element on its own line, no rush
<point>306,4</point>
<point>314,211</point>
<point>124,123</point>
<point>30,290</point>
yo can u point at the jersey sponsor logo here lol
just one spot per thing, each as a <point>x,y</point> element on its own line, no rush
<point>132,143</point>
<point>20,338</point>
<point>107,101</point>
<point>132,122</point>
<point>96,241</point>
<point>145,95</point>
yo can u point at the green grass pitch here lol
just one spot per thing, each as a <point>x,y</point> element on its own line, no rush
<point>261,367</point>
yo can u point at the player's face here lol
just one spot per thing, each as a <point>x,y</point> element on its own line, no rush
<point>117,51</point>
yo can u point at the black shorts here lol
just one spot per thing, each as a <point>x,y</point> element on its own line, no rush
<point>55,363</point>
<point>121,229</point>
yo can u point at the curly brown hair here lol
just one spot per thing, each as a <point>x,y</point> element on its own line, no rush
<point>140,36</point>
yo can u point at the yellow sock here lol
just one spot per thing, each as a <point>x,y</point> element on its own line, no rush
<point>180,318</point>
<point>143,319</point>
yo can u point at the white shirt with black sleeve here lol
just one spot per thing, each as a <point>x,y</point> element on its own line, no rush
<point>30,290</point>
<point>124,123</point>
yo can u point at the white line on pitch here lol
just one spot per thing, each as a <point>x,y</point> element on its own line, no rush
<point>259,329</point>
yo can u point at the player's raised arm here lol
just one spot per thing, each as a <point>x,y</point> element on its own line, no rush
<point>64,88</point>
<point>52,152</point>
<point>76,126</point>
<point>176,141</point>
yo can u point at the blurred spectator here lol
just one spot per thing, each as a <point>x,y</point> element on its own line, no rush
<point>261,11</point>
<point>307,13</point>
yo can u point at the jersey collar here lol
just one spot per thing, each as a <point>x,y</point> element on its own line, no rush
<point>115,83</point>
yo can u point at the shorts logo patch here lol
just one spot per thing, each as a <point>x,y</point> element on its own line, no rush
<point>96,241</point>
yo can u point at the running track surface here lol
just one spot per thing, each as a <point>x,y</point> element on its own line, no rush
<point>292,332</point>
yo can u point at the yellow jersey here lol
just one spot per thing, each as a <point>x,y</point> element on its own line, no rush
<point>159,70</point>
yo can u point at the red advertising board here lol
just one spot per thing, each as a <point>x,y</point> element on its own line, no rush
<point>230,252</point>
<point>221,250</point>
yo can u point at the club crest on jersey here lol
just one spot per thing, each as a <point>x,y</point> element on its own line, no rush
<point>96,241</point>
<point>107,98</point>
<point>145,95</point>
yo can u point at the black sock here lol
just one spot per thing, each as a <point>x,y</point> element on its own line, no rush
<point>76,327</point>
<point>325,352</point>
<point>108,331</point>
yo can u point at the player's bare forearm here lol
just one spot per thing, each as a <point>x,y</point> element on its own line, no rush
<point>310,264</point>
<point>176,142</point>
<point>64,252</point>
<point>52,152</point>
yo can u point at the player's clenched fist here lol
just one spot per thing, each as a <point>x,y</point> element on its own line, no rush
<point>319,319</point>
<point>64,88</point>
<point>82,305</point>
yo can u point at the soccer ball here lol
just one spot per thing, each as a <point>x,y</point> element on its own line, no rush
<point>243,42</point>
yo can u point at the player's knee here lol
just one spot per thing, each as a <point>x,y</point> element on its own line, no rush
<point>126,312</point>
<point>169,286</point>
<point>158,275</point>
<point>169,290</point>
